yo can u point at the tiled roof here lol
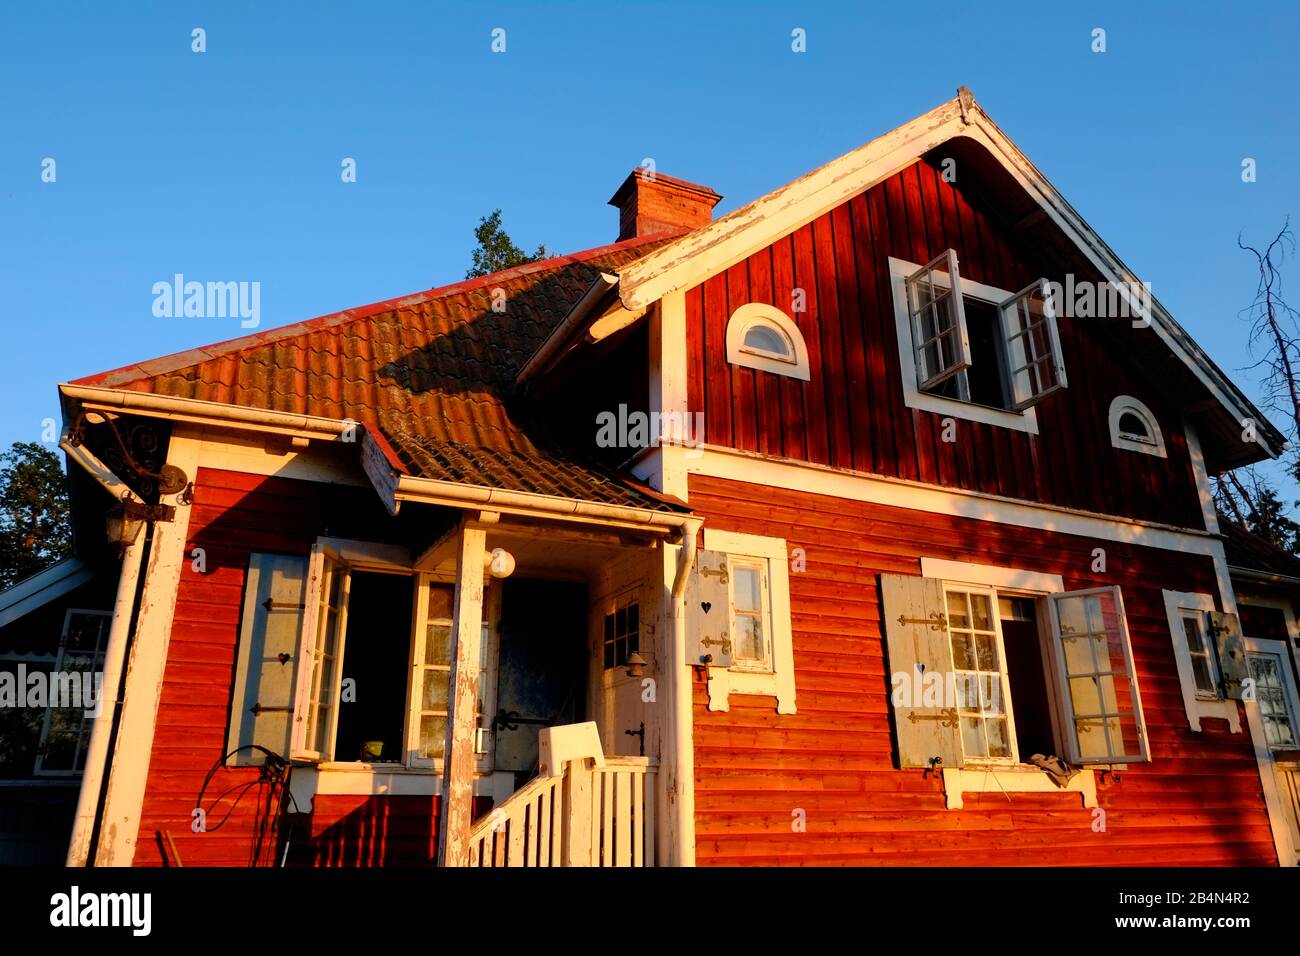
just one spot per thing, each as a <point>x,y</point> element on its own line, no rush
<point>434,372</point>
<point>1247,550</point>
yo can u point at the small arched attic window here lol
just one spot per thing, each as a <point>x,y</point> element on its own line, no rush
<point>763,337</point>
<point>1132,426</point>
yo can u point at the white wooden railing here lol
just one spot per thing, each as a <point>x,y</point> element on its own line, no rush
<point>584,810</point>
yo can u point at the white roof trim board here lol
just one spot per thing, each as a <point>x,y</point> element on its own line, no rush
<point>42,588</point>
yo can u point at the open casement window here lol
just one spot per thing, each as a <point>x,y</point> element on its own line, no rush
<point>956,690</point>
<point>938,319</point>
<point>320,655</point>
<point>430,687</point>
<point>1033,345</point>
<point>1098,689</point>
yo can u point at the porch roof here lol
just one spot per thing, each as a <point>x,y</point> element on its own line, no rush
<point>1249,552</point>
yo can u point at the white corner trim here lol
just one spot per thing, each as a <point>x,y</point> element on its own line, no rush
<point>913,397</point>
<point>1197,707</point>
<point>142,689</point>
<point>1122,404</point>
<point>958,781</point>
<point>780,683</point>
<point>760,314</point>
<point>662,465</point>
<point>986,574</point>
<point>1203,490</point>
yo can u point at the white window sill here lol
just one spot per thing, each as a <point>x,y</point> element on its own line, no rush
<point>724,682</point>
<point>387,780</point>
<point>1222,709</point>
<point>1020,779</point>
<point>1025,421</point>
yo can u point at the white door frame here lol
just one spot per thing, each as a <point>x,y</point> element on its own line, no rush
<point>1288,774</point>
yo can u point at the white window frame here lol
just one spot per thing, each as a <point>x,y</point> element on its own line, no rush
<point>793,364</point>
<point>1197,703</point>
<point>1262,647</point>
<point>944,264</point>
<point>1023,361</point>
<point>630,597</point>
<point>489,658</point>
<point>101,646</point>
<point>763,664</point>
<point>913,397</point>
<point>1127,404</point>
<point>1012,759</point>
<point>778,681</point>
<point>1065,698</point>
<point>307,708</point>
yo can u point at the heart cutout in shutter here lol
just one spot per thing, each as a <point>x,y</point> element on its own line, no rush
<point>282,658</point>
<point>705,606</point>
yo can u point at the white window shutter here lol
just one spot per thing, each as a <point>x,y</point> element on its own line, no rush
<point>938,319</point>
<point>1233,666</point>
<point>1096,680</point>
<point>708,611</point>
<point>262,707</point>
<point>920,659</point>
<point>1033,345</point>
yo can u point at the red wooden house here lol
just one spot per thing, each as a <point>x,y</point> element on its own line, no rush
<point>868,524</point>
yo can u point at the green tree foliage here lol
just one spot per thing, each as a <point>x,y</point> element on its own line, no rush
<point>35,531</point>
<point>496,250</point>
<point>1268,519</point>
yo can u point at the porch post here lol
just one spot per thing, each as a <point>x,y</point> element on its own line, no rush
<point>454,814</point>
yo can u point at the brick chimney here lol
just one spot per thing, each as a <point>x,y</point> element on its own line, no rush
<point>652,203</point>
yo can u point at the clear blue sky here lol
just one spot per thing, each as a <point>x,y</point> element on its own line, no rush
<point>225,165</point>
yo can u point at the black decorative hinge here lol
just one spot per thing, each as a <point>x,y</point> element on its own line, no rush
<point>936,621</point>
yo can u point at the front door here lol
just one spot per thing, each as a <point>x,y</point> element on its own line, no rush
<point>1274,689</point>
<point>543,668</point>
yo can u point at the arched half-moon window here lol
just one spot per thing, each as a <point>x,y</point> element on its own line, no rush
<point>1133,427</point>
<point>763,337</point>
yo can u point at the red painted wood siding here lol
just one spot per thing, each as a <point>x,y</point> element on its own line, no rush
<point>234,515</point>
<point>851,414</point>
<point>1198,802</point>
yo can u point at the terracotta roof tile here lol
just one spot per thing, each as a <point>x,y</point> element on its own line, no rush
<point>434,372</point>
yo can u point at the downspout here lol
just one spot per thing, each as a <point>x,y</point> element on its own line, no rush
<point>683,743</point>
<point>92,780</point>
